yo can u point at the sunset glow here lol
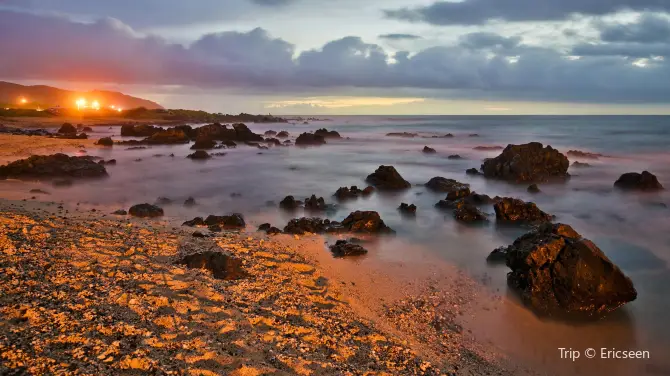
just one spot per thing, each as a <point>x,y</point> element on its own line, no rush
<point>81,103</point>
<point>95,105</point>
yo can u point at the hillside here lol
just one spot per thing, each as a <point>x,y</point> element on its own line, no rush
<point>46,96</point>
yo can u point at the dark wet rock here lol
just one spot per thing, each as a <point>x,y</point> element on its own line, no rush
<point>282,134</point>
<point>214,228</point>
<point>52,166</point>
<point>217,132</point>
<point>473,135</point>
<point>558,273</point>
<point>170,136</point>
<point>315,204</point>
<point>273,231</point>
<point>244,134</point>
<point>472,171</point>
<point>454,156</point>
<point>634,181</point>
<point>190,202</point>
<point>203,143</point>
<point>220,154</point>
<point>198,234</point>
<point>39,191</point>
<point>287,142</point>
<point>141,130</point>
<point>234,220</point>
<point>87,129</point>
<point>515,210</point>
<point>105,141</point>
<point>488,148</point>
<point>407,209</point>
<point>578,164</point>
<point>368,191</point>
<point>270,133</point>
<point>235,195</point>
<point>136,147</point>
<point>273,141</point>
<point>62,183</point>
<point>222,266</point>
<point>448,135</point>
<point>453,188</point>
<point>497,256</point>
<point>387,178</point>
<point>145,211</point>
<point>468,213</point>
<point>264,227</point>
<point>429,150</point>
<point>472,199</point>
<point>353,192</point>
<point>309,139</point>
<point>120,212</point>
<point>527,163</point>
<point>289,203</point>
<point>67,128</point>
<point>533,188</point>
<point>300,226</point>
<point>163,201</point>
<point>366,222</point>
<point>583,154</point>
<point>24,132</point>
<point>343,248</point>
<point>323,132</point>
<point>199,155</point>
<point>197,221</point>
<point>109,162</point>
<point>72,136</point>
<point>402,134</point>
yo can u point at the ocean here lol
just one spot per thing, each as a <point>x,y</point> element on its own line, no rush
<point>632,229</point>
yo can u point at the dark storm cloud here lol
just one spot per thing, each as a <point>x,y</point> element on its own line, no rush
<point>480,40</point>
<point>475,12</point>
<point>649,28</point>
<point>399,36</point>
<point>51,48</point>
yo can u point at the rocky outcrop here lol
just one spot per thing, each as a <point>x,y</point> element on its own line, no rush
<point>468,213</point>
<point>203,143</point>
<point>559,273</point>
<point>282,134</point>
<point>244,134</point>
<point>488,148</point>
<point>454,157</point>
<point>222,266</point>
<point>145,211</point>
<point>226,221</point>
<point>323,132</point>
<point>52,166</point>
<point>514,210</point>
<point>583,154</point>
<point>310,139</point>
<point>67,128</point>
<point>472,172</point>
<point>199,155</point>
<point>578,164</point>
<point>453,188</point>
<point>344,248</point>
<point>402,134</point>
<point>429,150</point>
<point>270,133</point>
<point>315,204</point>
<point>533,188</point>
<point>289,203</point>
<point>141,130</point>
<point>300,226</point>
<point>366,222</point>
<point>353,192</point>
<point>189,202</point>
<point>105,141</point>
<point>387,178</point>
<point>634,181</point>
<point>407,209</point>
<point>170,136</point>
<point>527,163</point>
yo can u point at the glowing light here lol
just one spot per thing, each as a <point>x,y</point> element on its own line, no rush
<point>95,105</point>
<point>23,100</point>
<point>119,109</point>
<point>113,107</point>
<point>81,103</point>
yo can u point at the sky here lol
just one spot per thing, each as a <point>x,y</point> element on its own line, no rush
<point>350,56</point>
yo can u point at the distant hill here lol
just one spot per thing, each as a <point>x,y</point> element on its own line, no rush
<point>46,96</point>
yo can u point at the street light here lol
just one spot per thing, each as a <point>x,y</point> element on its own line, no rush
<point>23,100</point>
<point>81,103</point>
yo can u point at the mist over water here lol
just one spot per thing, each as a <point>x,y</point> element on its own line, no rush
<point>632,229</point>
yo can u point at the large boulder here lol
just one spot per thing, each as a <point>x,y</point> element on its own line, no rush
<point>145,211</point>
<point>472,199</point>
<point>289,203</point>
<point>387,178</point>
<point>221,265</point>
<point>527,163</point>
<point>234,220</point>
<point>310,139</point>
<point>559,273</point>
<point>216,131</point>
<point>315,204</point>
<point>353,192</point>
<point>468,213</point>
<point>366,222</point>
<point>282,134</point>
<point>170,136</point>
<point>343,248</point>
<point>244,134</point>
<point>645,181</point>
<point>453,188</point>
<point>52,166</point>
<point>67,128</point>
<point>141,130</point>
<point>323,132</point>
<point>407,209</point>
<point>105,141</point>
<point>199,155</point>
<point>429,150</point>
<point>203,143</point>
<point>514,210</point>
<point>300,226</point>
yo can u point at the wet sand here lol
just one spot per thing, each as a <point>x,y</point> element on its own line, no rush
<point>14,147</point>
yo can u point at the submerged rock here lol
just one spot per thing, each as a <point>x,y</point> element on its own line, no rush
<point>52,166</point>
<point>533,188</point>
<point>189,202</point>
<point>515,210</point>
<point>366,222</point>
<point>105,141</point>
<point>578,164</point>
<point>197,221</point>
<point>199,154</point>
<point>120,212</point>
<point>270,133</point>
<point>310,139</point>
<point>289,203</point>
<point>323,132</point>
<point>221,265</point>
<point>559,273</point>
<point>488,148</point>
<point>453,188</point>
<point>454,157</point>
<point>468,213</point>
<point>583,154</point>
<point>429,150</point>
<point>170,136</point>
<point>145,211</point>
<point>527,163</point>
<point>343,248</point>
<point>402,134</point>
<point>315,204</point>
<point>472,171</point>
<point>472,199</point>
<point>141,130</point>
<point>387,178</point>
<point>407,209</point>
<point>300,226</point>
<point>282,134</point>
<point>353,192</point>
<point>645,181</point>
<point>203,143</point>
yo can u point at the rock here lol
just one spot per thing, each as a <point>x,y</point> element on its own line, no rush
<point>454,189</point>
<point>582,154</point>
<point>105,141</point>
<point>198,234</point>
<point>52,166</point>
<point>497,256</point>
<point>344,193</point>
<point>221,265</point>
<point>300,226</point>
<point>514,210</point>
<point>145,211</point>
<point>107,162</point>
<point>488,148</point>
<point>273,141</point>
<point>473,135</point>
<point>163,201</point>
<point>343,248</point>
<point>190,202</point>
<point>315,204</point>
<point>227,221</point>
<point>368,191</point>
<point>448,135</point>
<point>533,188</point>
<point>282,134</point>
<point>366,222</point>
<point>402,134</point>
<point>645,181</point>
<point>141,130</point>
<point>471,199</point>
<point>197,221</point>
<point>216,132</point>
<point>289,203</point>
<point>87,129</point>
<point>527,163</point>
<point>39,191</point>
<point>62,183</point>
<point>203,143</point>
<point>387,178</point>
<point>559,273</point>
<point>468,213</point>
<point>429,150</point>
<point>273,231</point>
<point>454,156</point>
<point>264,227</point>
<point>323,132</point>
<point>472,171</point>
<point>120,212</point>
<point>270,133</point>
<point>244,134</point>
<point>199,155</point>
<point>577,164</point>
<point>310,139</point>
<point>67,128</point>
<point>407,209</point>
<point>170,136</point>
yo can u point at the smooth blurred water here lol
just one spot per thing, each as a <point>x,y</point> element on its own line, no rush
<point>632,229</point>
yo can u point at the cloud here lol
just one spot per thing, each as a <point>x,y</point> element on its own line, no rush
<point>272,3</point>
<point>53,48</point>
<point>477,12</point>
<point>399,36</point>
<point>648,28</point>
